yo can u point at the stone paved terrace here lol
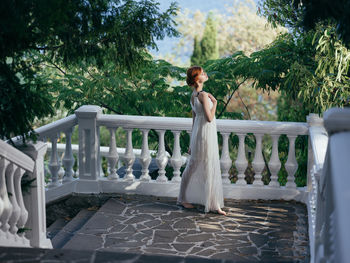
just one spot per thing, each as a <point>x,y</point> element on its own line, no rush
<point>252,231</point>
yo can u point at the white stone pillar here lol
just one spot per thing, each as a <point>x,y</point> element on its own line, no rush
<point>16,209</point>
<point>176,160</point>
<point>54,165</point>
<point>145,158</point>
<point>241,162</point>
<point>161,158</point>
<point>113,156</point>
<point>291,165</point>
<point>274,163</point>
<point>258,162</point>
<point>7,206</point>
<point>129,157</point>
<point>89,141</point>
<point>19,196</point>
<point>35,200</point>
<point>68,159</point>
<point>225,161</point>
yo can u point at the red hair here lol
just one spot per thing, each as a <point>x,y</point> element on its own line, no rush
<point>193,75</point>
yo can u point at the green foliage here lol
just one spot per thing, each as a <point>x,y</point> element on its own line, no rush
<point>305,15</point>
<point>60,34</point>
<point>23,95</point>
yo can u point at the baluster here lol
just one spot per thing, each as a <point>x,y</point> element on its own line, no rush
<point>291,165</point>
<point>161,159</point>
<point>176,159</point>
<point>145,158</point>
<point>7,208</point>
<point>77,171</point>
<point>258,163</point>
<point>274,163</point>
<point>129,157</point>
<point>24,213</point>
<point>102,174</point>
<point>16,212</point>
<point>241,162</point>
<point>225,161</point>
<point>68,160</point>
<point>113,156</point>
<point>54,165</point>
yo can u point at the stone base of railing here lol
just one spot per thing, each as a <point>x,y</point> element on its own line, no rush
<point>13,240</point>
<point>171,189</point>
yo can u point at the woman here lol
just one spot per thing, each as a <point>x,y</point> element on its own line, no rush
<point>201,181</point>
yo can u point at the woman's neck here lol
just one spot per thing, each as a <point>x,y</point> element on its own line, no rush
<point>199,88</point>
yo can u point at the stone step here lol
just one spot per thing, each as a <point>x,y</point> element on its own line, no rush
<point>56,227</point>
<point>100,223</point>
<point>68,231</point>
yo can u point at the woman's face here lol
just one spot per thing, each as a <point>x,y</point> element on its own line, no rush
<point>203,77</point>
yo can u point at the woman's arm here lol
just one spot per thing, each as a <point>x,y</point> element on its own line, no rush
<point>204,99</point>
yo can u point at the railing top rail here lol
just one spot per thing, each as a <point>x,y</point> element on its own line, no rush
<point>176,123</point>
<point>16,156</point>
<point>57,126</point>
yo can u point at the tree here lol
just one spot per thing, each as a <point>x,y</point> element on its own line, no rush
<point>209,46</point>
<point>58,34</point>
<point>308,13</point>
<point>240,29</point>
<point>196,58</point>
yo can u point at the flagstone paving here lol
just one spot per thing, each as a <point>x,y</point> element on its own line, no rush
<point>267,231</point>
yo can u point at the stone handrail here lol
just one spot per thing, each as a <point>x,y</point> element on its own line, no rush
<point>332,231</point>
<point>318,139</point>
<point>18,158</point>
<point>51,129</point>
<point>185,124</point>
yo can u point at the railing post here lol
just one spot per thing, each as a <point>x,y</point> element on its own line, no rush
<point>35,199</point>
<point>89,141</point>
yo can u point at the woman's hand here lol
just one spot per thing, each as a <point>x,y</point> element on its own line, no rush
<point>212,98</point>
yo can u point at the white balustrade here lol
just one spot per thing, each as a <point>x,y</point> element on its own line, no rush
<point>176,159</point>
<point>145,158</point>
<point>258,162</point>
<point>112,157</point>
<point>129,157</point>
<point>14,214</point>
<point>68,160</point>
<point>54,165</point>
<point>162,158</point>
<point>274,163</point>
<point>225,161</point>
<point>90,119</point>
<point>241,162</point>
<point>291,165</point>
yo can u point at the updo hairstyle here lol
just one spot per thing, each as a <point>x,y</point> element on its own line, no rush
<point>193,74</point>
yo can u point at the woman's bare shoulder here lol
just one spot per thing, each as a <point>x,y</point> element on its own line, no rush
<point>202,95</point>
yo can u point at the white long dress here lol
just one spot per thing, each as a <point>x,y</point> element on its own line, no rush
<point>201,181</point>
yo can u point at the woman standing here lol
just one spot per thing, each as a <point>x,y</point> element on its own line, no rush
<point>201,180</point>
